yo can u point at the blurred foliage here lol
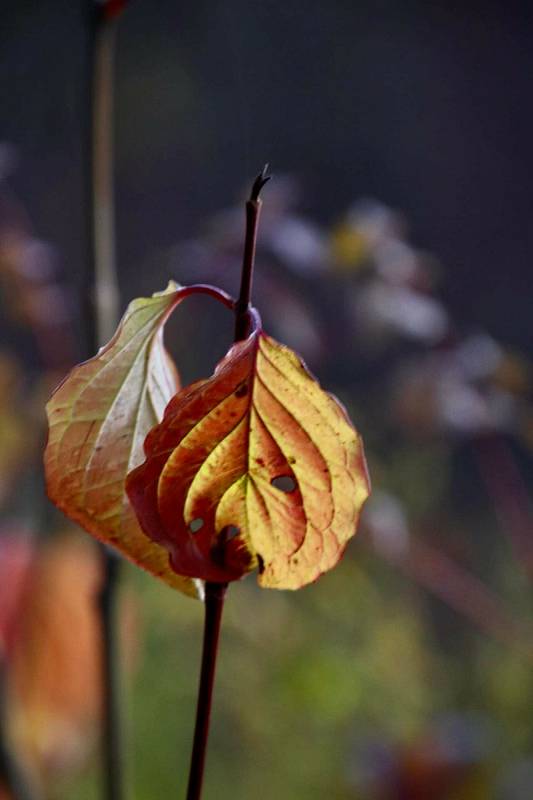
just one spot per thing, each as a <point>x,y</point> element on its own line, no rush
<point>406,672</point>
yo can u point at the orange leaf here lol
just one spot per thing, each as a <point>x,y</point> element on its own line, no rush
<point>256,466</point>
<point>99,417</point>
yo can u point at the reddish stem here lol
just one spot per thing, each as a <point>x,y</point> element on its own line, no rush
<point>253,207</point>
<point>214,604</point>
<point>212,291</point>
<point>245,317</point>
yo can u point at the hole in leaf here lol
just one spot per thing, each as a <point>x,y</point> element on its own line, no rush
<point>196,524</point>
<point>260,564</point>
<point>284,483</point>
<point>229,532</point>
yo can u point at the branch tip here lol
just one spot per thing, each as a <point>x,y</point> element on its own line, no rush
<point>109,10</point>
<point>259,182</point>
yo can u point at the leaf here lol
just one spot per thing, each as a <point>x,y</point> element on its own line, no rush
<point>255,467</point>
<point>99,417</point>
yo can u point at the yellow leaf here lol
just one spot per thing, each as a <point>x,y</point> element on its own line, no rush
<point>255,467</point>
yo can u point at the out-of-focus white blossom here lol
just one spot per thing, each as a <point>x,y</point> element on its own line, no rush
<point>385,518</point>
<point>385,310</point>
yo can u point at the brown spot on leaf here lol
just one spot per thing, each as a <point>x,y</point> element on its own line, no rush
<point>241,390</point>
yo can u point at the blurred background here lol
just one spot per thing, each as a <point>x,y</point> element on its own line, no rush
<point>394,255</point>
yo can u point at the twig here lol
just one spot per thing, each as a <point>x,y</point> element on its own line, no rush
<point>215,592</point>
<point>253,208</point>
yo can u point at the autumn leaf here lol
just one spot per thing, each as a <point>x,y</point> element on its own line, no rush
<point>255,467</point>
<point>98,419</point>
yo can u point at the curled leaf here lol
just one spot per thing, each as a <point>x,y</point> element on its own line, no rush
<point>255,467</point>
<point>98,419</point>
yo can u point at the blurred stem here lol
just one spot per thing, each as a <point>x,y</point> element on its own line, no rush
<point>214,604</point>
<point>102,292</point>
<point>508,491</point>
<point>467,595</point>
<point>12,775</point>
<point>464,592</point>
<point>101,301</point>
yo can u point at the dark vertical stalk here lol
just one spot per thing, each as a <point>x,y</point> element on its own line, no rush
<point>215,592</point>
<point>112,746</point>
<point>253,208</point>
<point>12,776</point>
<point>100,297</point>
<point>214,604</point>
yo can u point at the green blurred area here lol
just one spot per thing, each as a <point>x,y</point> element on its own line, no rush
<point>305,681</point>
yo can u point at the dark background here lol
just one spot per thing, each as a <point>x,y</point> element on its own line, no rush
<point>424,106</point>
